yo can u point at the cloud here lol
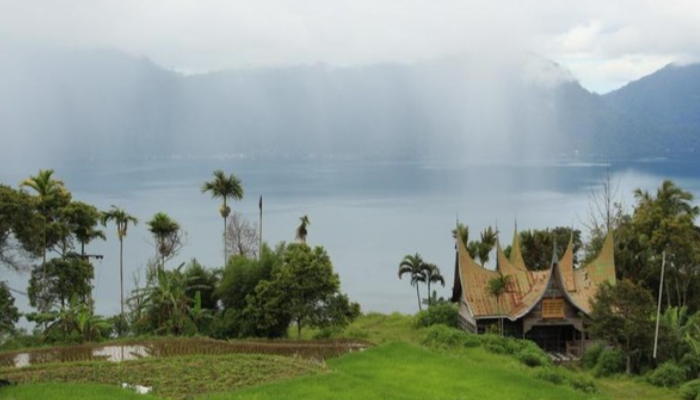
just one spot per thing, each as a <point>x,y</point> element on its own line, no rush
<point>594,38</point>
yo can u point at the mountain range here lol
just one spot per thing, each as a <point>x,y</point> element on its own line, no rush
<point>107,104</point>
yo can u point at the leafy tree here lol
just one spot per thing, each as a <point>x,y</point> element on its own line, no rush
<point>302,231</point>
<point>122,220</point>
<point>413,265</point>
<point>432,274</point>
<point>304,290</point>
<point>237,289</point>
<point>21,229</point>
<point>224,187</point>
<point>203,281</point>
<point>666,222</point>
<point>83,220</point>
<point>77,318</point>
<point>52,196</point>
<point>621,315</point>
<point>536,245</point>
<point>59,280</point>
<point>9,315</point>
<point>167,234</point>
<point>165,307</point>
<point>497,286</point>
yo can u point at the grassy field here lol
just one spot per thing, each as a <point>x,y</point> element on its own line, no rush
<point>176,377</point>
<point>399,368</point>
<point>405,371</point>
<point>70,391</point>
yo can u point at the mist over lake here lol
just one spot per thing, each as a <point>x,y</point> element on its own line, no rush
<point>368,215</point>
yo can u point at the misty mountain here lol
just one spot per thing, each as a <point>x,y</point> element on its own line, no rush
<point>106,104</point>
<point>667,100</point>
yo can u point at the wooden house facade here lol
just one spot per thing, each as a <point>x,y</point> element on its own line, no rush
<point>547,306</point>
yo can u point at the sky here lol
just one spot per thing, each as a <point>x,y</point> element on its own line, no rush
<point>604,43</point>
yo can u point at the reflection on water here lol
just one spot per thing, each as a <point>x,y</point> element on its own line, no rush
<point>179,347</point>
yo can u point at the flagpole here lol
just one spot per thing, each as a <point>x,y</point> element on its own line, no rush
<point>658,310</point>
<point>260,205</point>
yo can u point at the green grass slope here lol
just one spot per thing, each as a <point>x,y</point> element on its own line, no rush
<point>405,371</point>
<point>70,391</point>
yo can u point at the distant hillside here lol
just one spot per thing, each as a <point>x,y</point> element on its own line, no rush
<point>106,104</point>
<point>668,101</point>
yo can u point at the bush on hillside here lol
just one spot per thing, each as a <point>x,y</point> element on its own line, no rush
<point>551,375</point>
<point>532,357</point>
<point>691,364</point>
<point>444,337</point>
<point>443,313</point>
<point>590,357</point>
<point>691,390</point>
<point>669,374</point>
<point>610,362</point>
<point>525,351</point>
<point>583,384</point>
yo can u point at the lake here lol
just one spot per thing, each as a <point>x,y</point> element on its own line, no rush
<point>368,215</point>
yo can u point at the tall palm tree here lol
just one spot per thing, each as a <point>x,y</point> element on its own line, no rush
<point>48,191</point>
<point>414,266</point>
<point>51,195</point>
<point>225,187</point>
<point>488,242</point>
<point>122,220</point>
<point>302,232</point>
<point>497,286</point>
<point>164,230</point>
<point>432,274</point>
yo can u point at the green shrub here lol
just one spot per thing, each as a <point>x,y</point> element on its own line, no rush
<point>445,314</point>
<point>550,375</point>
<point>532,357</point>
<point>496,344</point>
<point>669,374</point>
<point>610,362</point>
<point>590,357</point>
<point>691,364</point>
<point>691,390</point>
<point>583,384</point>
<point>444,337</point>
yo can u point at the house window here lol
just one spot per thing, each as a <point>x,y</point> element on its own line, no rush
<point>553,308</point>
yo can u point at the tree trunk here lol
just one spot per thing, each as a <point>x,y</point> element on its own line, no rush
<point>299,328</point>
<point>629,365</point>
<point>429,295</point>
<point>420,308</point>
<point>121,285</point>
<point>225,244</point>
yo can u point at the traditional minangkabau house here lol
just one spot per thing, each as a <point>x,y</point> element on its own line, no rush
<point>547,306</point>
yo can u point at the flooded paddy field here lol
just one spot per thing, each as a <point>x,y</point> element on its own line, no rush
<point>126,351</point>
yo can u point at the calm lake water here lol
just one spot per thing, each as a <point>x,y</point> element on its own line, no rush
<point>368,215</point>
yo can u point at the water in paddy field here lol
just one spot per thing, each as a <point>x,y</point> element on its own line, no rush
<point>367,215</point>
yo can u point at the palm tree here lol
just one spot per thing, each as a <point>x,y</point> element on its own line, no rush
<point>51,194</point>
<point>414,266</point>
<point>48,191</point>
<point>225,187</point>
<point>488,242</point>
<point>301,230</point>
<point>122,220</point>
<point>164,230</point>
<point>432,274</point>
<point>461,231</point>
<point>497,286</point>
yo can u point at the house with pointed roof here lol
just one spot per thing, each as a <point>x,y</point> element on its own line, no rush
<point>547,306</point>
